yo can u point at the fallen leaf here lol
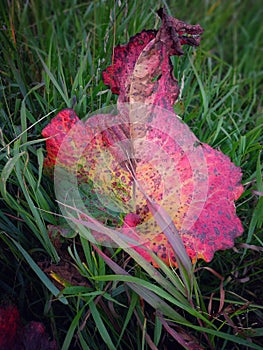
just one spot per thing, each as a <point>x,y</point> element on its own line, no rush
<point>145,152</point>
<point>15,336</point>
<point>9,325</point>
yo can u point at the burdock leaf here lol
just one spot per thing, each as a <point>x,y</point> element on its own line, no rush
<point>144,154</point>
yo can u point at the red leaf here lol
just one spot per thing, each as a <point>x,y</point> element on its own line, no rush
<point>9,325</point>
<point>14,336</point>
<point>146,153</point>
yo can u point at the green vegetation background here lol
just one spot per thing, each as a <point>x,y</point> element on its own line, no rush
<point>52,55</point>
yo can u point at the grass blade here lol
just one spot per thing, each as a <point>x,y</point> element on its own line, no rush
<point>101,326</point>
<point>41,275</point>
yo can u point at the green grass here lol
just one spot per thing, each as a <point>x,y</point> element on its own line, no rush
<point>52,55</point>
